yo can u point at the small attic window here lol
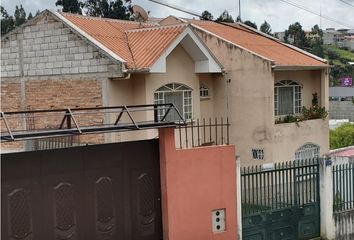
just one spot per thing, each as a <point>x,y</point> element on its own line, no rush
<point>204,92</point>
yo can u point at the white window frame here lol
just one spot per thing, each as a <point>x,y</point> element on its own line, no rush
<point>302,153</point>
<point>204,92</point>
<point>297,102</point>
<point>159,98</point>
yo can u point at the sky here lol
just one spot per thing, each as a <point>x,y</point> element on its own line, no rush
<point>277,13</point>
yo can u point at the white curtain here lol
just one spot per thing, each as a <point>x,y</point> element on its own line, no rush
<point>177,99</point>
<point>285,100</point>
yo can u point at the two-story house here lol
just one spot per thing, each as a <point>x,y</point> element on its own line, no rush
<point>206,69</point>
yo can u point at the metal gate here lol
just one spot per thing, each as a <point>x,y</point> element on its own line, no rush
<point>108,191</point>
<point>282,202</point>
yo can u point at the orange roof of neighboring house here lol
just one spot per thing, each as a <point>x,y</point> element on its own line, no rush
<point>141,44</point>
<point>261,45</point>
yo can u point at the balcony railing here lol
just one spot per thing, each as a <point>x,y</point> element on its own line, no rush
<point>203,132</point>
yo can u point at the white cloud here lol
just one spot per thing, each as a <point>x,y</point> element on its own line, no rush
<point>279,14</point>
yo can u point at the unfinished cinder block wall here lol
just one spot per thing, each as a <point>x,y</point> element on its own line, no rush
<point>47,65</point>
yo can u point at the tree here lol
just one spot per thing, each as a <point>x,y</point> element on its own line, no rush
<point>7,22</point>
<point>342,136</point>
<point>225,17</point>
<point>265,27</point>
<point>296,36</point>
<point>317,30</point>
<point>30,16</point>
<point>316,41</point>
<point>206,16</point>
<point>72,6</point>
<point>109,9</point>
<point>20,15</point>
<point>251,24</point>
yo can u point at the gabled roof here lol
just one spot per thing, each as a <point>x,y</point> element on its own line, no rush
<point>266,47</point>
<point>140,45</point>
<point>147,44</point>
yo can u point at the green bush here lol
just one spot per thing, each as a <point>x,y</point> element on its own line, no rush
<point>342,136</point>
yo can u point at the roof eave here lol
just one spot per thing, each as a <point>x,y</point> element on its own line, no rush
<point>299,67</point>
<point>137,70</point>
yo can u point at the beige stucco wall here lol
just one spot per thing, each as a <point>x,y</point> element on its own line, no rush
<point>179,69</point>
<point>289,137</point>
<point>140,88</point>
<point>246,95</point>
<point>207,103</point>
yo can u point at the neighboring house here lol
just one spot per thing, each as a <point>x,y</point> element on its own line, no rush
<point>342,155</point>
<point>206,69</point>
<point>281,37</point>
<point>331,36</point>
<point>348,42</point>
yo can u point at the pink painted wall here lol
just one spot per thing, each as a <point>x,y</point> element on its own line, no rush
<point>193,183</point>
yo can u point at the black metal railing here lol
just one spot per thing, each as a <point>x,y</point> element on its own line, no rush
<point>343,187</point>
<point>204,132</point>
<point>79,121</point>
<point>286,184</point>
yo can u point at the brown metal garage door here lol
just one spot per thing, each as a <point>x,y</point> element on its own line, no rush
<point>108,191</point>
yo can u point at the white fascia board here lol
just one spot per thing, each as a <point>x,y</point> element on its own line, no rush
<point>210,65</point>
<point>87,36</point>
<point>227,41</point>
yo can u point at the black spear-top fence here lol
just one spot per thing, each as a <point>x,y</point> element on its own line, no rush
<point>343,187</point>
<point>288,184</point>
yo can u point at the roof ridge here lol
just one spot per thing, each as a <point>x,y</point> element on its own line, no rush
<point>105,19</point>
<point>158,27</point>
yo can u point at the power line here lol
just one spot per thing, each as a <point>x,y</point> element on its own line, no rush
<point>175,7</point>
<point>315,13</point>
<point>347,3</point>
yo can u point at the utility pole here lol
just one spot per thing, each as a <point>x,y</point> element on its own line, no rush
<point>239,10</point>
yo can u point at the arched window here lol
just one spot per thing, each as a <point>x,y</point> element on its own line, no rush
<point>178,94</point>
<point>307,151</point>
<point>287,98</point>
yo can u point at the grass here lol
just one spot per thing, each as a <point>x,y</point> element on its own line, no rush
<point>343,54</point>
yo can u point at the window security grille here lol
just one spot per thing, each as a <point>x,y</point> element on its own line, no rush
<point>258,154</point>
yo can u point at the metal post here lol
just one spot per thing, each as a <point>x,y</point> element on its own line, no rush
<point>238,198</point>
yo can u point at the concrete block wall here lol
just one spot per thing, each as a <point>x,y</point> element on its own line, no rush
<point>45,65</point>
<point>341,110</point>
<point>47,47</point>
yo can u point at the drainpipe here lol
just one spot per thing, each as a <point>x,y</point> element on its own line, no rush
<point>227,90</point>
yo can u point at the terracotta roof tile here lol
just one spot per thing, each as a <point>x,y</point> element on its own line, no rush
<point>261,45</point>
<point>139,44</point>
<point>147,45</point>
